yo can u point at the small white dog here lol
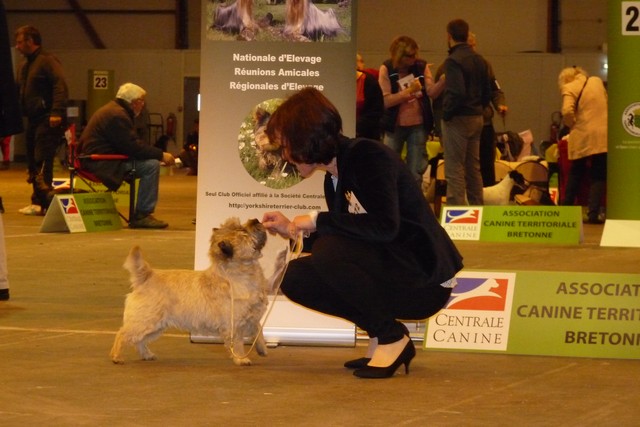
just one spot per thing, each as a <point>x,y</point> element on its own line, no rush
<point>229,298</point>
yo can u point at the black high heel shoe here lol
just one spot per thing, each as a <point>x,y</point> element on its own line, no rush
<point>408,353</point>
<point>357,363</point>
<point>363,361</point>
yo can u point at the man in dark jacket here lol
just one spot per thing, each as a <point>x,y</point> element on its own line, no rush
<point>467,93</point>
<point>111,130</point>
<point>488,135</point>
<point>43,95</point>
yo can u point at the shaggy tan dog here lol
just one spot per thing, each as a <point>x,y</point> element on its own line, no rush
<point>229,298</point>
<point>234,17</point>
<point>305,21</point>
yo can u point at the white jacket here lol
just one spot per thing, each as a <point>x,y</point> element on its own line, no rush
<point>588,125</point>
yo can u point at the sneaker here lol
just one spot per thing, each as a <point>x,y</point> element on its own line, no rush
<point>31,210</point>
<point>4,294</point>
<point>148,221</point>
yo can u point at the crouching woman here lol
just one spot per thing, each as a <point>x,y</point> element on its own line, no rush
<point>378,253</point>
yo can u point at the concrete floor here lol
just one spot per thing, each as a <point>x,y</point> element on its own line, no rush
<point>66,304</point>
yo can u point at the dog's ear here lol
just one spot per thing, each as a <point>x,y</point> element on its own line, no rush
<point>226,248</point>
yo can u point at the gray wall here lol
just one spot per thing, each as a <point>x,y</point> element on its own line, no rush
<point>511,34</point>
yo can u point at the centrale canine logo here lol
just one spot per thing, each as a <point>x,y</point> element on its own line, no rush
<point>477,315</point>
<point>479,293</point>
<point>69,206</point>
<point>462,216</point>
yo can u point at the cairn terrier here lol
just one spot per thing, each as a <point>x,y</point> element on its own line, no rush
<point>229,298</point>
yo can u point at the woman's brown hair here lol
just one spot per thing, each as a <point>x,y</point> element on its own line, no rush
<point>307,126</point>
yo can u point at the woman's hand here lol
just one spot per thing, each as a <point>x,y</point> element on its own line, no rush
<point>276,223</point>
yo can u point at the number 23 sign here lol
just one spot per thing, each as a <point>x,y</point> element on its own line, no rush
<point>631,18</point>
<point>101,81</point>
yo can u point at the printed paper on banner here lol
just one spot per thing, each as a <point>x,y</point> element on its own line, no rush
<point>477,315</point>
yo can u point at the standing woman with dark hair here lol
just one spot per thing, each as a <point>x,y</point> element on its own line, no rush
<point>379,253</point>
<point>408,118</point>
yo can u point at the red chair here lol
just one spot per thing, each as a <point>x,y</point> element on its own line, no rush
<point>76,171</point>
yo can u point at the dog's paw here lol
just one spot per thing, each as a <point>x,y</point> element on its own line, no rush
<point>118,361</point>
<point>149,357</point>
<point>261,349</point>
<point>242,361</point>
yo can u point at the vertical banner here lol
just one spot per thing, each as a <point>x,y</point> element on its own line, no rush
<point>254,55</point>
<point>623,180</point>
<point>623,184</point>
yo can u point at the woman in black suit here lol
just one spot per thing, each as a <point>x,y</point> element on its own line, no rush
<point>379,253</point>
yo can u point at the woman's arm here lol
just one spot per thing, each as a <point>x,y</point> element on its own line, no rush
<point>568,108</point>
<point>393,99</point>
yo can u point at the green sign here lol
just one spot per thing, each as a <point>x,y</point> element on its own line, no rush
<point>517,224</point>
<point>120,196</point>
<point>541,313</point>
<point>83,212</point>
<point>98,211</point>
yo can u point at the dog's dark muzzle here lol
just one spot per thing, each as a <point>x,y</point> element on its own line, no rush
<point>258,231</point>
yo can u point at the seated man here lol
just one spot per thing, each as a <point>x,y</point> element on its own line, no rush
<point>111,130</point>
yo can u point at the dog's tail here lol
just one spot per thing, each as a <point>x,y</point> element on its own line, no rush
<point>140,269</point>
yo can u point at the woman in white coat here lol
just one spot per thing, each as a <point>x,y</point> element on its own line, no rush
<point>584,111</point>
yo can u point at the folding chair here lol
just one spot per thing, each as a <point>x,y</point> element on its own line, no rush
<point>535,172</point>
<point>76,171</point>
<point>502,169</point>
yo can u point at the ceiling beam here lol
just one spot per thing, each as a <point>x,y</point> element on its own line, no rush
<point>86,25</point>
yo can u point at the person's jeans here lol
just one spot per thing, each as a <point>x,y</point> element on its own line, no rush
<point>461,141</point>
<point>416,139</point>
<point>148,172</point>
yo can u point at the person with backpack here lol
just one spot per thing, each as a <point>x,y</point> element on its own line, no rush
<point>467,92</point>
<point>488,134</point>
